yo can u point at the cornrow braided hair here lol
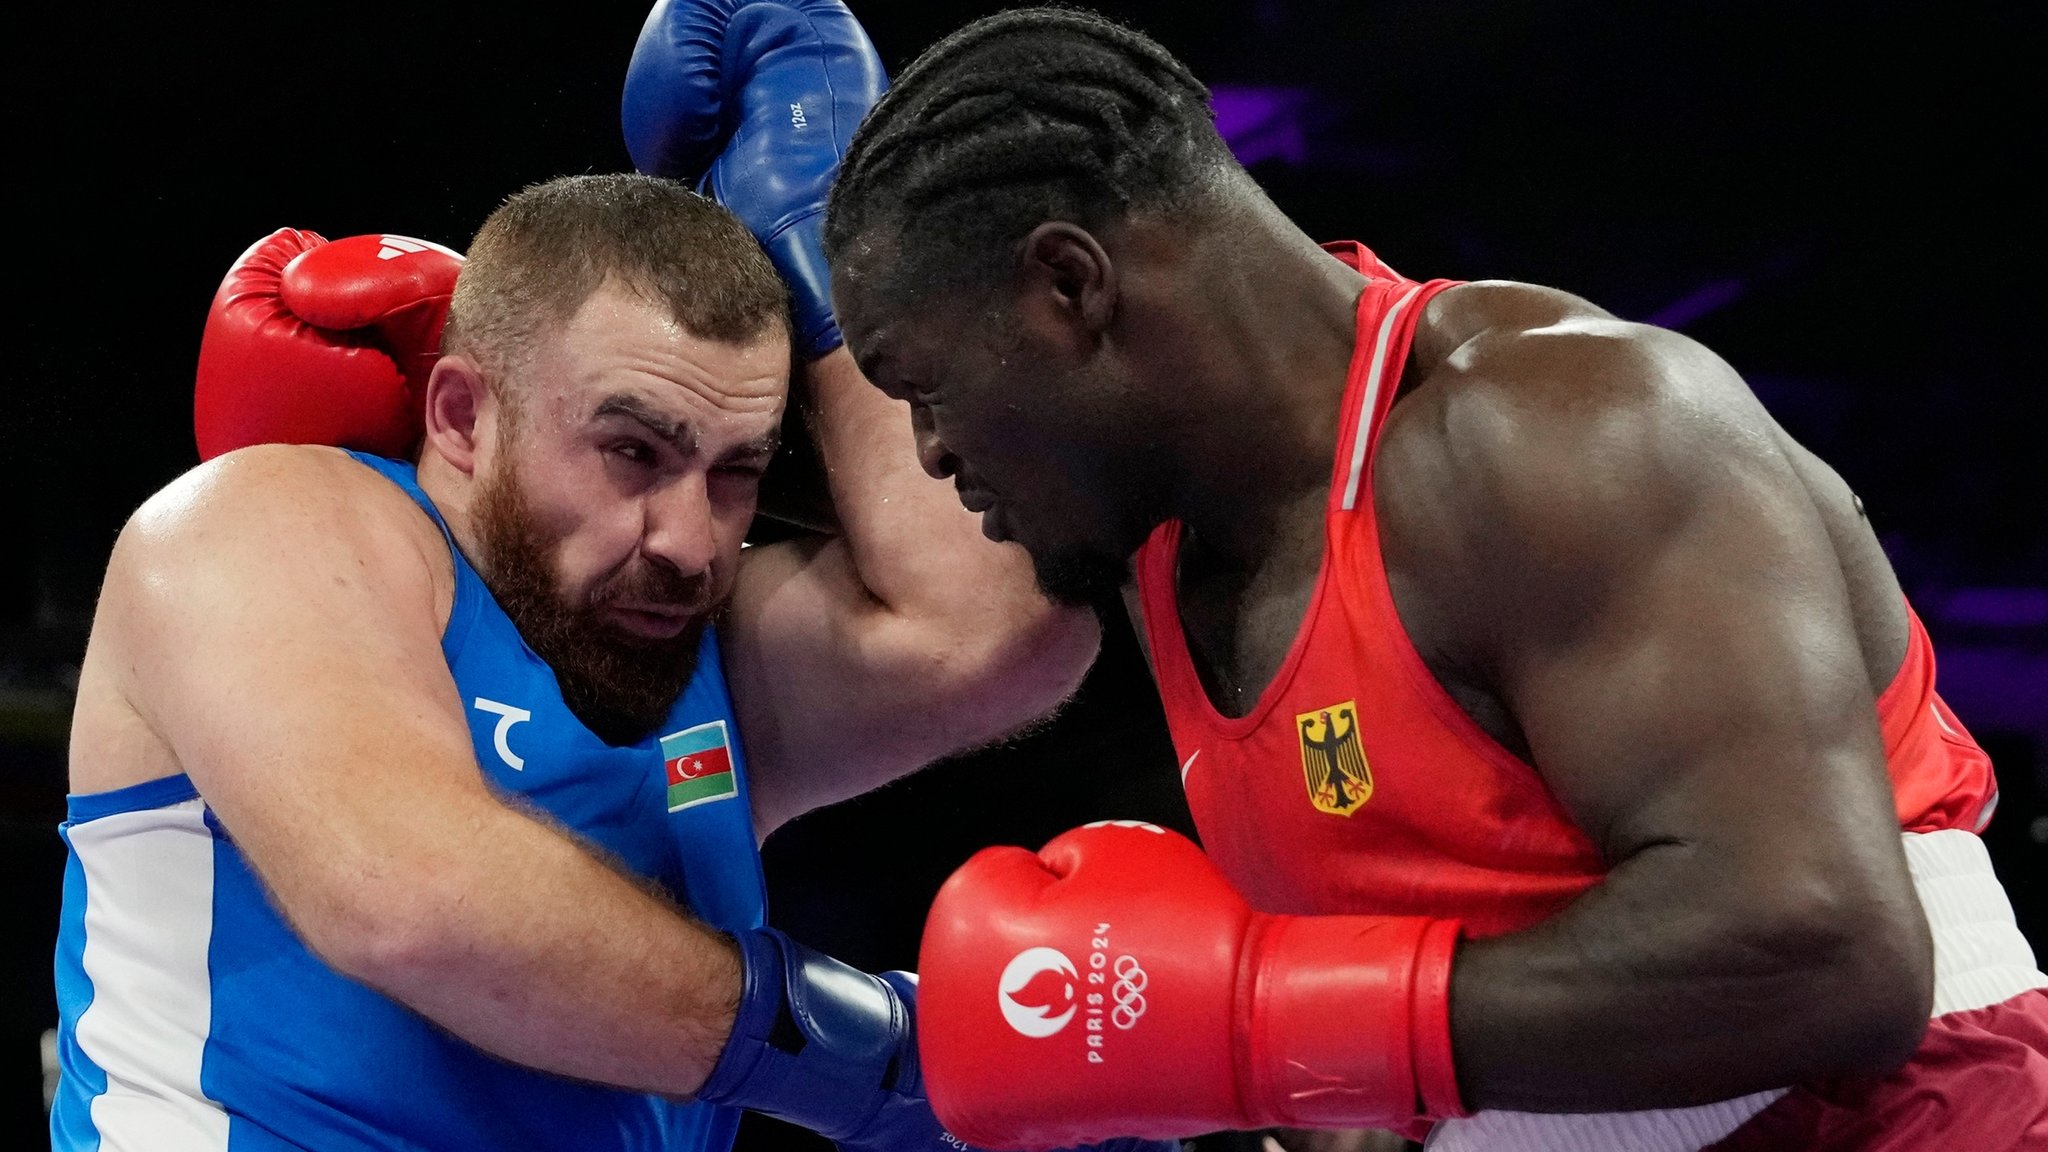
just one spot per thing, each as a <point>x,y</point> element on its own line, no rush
<point>1029,115</point>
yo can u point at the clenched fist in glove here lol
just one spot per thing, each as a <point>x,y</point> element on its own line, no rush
<point>1114,982</point>
<point>311,342</point>
<point>755,102</point>
<point>834,1050</point>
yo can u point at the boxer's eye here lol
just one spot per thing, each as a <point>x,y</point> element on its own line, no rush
<point>632,451</point>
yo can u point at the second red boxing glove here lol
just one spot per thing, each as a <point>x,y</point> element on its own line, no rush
<point>1114,984</point>
<point>309,342</point>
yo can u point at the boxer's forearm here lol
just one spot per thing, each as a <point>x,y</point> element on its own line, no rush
<point>520,941</point>
<point>918,552</point>
<point>907,637</point>
<point>1680,980</point>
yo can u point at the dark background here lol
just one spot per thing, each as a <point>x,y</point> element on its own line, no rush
<point>1829,195</point>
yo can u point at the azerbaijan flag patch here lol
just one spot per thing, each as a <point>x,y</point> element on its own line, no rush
<point>699,763</point>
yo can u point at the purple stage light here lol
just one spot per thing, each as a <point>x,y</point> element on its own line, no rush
<point>1262,123</point>
<point>2015,609</point>
<point>1992,657</point>
<point>1995,688</point>
<point>1700,302</point>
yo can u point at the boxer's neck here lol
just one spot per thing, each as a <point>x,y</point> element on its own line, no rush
<point>1269,337</point>
<point>452,492</point>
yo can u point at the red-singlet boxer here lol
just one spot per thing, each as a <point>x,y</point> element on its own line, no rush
<point>1562,740</point>
<point>1357,785</point>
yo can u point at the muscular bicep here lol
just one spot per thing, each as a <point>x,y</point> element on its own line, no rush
<point>835,693</point>
<point>1704,683</point>
<point>1666,618</point>
<point>280,623</point>
<point>1647,587</point>
<point>858,657</point>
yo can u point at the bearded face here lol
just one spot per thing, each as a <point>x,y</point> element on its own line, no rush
<point>611,492</point>
<point>619,683</point>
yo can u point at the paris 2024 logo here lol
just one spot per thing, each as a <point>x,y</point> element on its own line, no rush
<point>1041,991</point>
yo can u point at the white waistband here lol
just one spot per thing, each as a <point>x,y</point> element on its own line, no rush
<point>1980,959</point>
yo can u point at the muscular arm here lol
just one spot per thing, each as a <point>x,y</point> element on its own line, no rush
<point>278,614</point>
<point>859,657</point>
<point>1638,575</point>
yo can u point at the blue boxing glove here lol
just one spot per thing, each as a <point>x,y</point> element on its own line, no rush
<point>755,102</point>
<point>833,1049</point>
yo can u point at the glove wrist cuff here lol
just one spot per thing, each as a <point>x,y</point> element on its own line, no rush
<point>1346,1021</point>
<point>798,254</point>
<point>761,1004</point>
<point>1436,1075</point>
<point>814,1043</point>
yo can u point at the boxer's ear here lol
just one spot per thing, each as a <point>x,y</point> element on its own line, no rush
<point>1066,280</point>
<point>457,398</point>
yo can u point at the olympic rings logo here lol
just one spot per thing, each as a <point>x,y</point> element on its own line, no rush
<point>1128,992</point>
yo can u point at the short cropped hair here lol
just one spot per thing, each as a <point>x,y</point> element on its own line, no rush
<point>1026,116</point>
<point>542,253</point>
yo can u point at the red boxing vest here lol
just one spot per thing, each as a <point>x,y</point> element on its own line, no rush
<point>1357,785</point>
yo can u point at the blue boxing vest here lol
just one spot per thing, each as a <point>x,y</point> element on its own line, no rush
<point>191,1017</point>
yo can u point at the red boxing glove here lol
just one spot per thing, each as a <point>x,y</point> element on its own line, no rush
<point>1114,984</point>
<point>316,343</point>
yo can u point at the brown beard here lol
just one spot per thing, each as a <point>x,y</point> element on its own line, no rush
<point>619,684</point>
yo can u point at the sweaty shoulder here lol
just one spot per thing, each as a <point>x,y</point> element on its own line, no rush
<point>263,520</point>
<point>232,558</point>
<point>1540,432</point>
<point>286,506</point>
